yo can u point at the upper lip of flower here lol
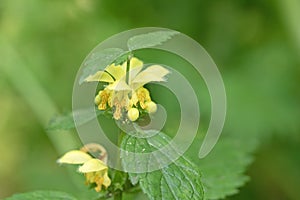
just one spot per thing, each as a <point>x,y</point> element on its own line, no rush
<point>116,75</point>
<point>92,165</point>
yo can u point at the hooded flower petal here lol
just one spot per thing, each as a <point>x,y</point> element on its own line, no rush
<point>92,165</point>
<point>100,76</point>
<point>74,157</point>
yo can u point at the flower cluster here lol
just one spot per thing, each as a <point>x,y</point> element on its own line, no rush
<point>125,93</point>
<point>95,170</point>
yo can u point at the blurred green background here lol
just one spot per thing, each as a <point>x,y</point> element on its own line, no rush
<point>256,45</point>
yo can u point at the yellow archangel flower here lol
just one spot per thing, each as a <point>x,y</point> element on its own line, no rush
<point>95,170</point>
<point>122,93</point>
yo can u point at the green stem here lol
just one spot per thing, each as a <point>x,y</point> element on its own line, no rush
<point>118,196</point>
<point>128,67</point>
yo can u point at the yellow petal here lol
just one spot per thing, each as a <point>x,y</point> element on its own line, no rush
<point>154,73</point>
<point>90,177</point>
<point>74,157</point>
<point>119,85</point>
<point>100,76</point>
<point>92,165</point>
<point>135,62</point>
<point>136,66</point>
<point>134,98</point>
<point>107,180</point>
<point>116,71</point>
<point>133,73</point>
<point>124,66</point>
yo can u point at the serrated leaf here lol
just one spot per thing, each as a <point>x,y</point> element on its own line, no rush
<point>149,39</point>
<point>99,60</point>
<point>178,180</point>
<point>223,169</point>
<point>66,121</point>
<point>42,195</point>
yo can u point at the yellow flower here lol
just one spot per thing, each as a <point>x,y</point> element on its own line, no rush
<point>119,89</point>
<point>116,75</point>
<point>95,170</point>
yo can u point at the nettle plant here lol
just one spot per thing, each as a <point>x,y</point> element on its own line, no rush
<point>140,174</point>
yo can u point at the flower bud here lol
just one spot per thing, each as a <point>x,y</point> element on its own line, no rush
<point>97,100</point>
<point>151,107</point>
<point>133,114</point>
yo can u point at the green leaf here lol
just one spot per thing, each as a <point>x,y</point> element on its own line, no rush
<point>42,195</point>
<point>120,60</point>
<point>66,121</point>
<point>223,169</point>
<point>149,39</point>
<point>178,180</point>
<point>99,60</point>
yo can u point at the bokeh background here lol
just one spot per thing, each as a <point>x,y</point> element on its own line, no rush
<point>256,45</point>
